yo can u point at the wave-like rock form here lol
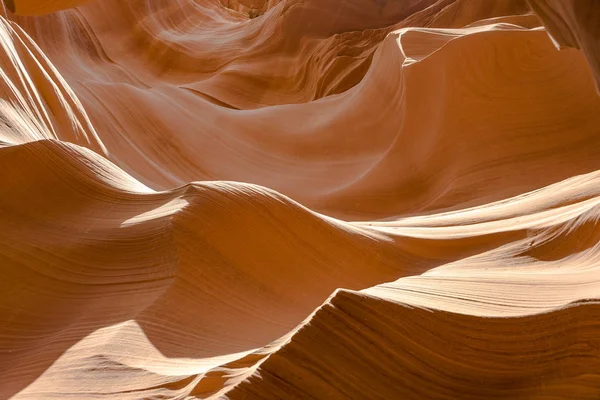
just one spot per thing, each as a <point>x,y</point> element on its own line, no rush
<point>574,23</point>
<point>299,199</point>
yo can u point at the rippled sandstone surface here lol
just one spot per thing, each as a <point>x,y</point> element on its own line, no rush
<point>300,199</point>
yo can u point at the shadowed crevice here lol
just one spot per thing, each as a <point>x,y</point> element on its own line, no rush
<point>10,4</point>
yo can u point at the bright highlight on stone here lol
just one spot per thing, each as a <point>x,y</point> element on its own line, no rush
<point>300,199</point>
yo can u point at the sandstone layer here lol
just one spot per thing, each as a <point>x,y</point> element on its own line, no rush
<point>300,199</point>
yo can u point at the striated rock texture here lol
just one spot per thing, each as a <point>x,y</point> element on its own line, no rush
<point>299,199</point>
<point>573,23</point>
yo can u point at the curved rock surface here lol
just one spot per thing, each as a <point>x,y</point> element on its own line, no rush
<point>299,199</point>
<point>573,23</point>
